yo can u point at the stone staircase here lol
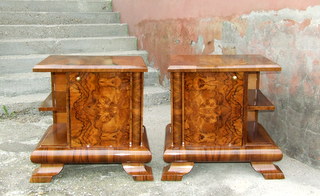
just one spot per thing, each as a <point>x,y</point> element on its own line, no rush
<point>30,30</point>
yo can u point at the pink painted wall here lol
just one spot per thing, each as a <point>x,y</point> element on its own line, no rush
<point>134,12</point>
<point>285,31</point>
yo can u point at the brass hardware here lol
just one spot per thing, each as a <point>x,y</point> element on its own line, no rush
<point>234,77</point>
<point>78,78</point>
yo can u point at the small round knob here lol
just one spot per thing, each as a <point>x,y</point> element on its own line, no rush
<point>78,78</point>
<point>234,77</point>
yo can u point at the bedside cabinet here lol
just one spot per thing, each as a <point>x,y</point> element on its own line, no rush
<point>215,100</point>
<point>97,105</point>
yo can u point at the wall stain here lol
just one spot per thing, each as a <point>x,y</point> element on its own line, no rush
<point>289,37</point>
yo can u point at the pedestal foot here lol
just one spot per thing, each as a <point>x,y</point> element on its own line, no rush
<point>139,171</point>
<point>45,172</point>
<point>175,171</point>
<point>268,170</point>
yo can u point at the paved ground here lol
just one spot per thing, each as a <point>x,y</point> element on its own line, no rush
<point>19,135</point>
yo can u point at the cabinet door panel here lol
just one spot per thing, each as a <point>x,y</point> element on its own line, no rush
<point>99,109</point>
<point>213,109</point>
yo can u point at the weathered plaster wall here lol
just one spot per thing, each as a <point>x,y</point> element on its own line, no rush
<point>288,32</point>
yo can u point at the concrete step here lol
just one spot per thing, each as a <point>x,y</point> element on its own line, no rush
<point>12,85</point>
<point>25,63</point>
<point>62,31</point>
<point>67,45</point>
<point>56,6</point>
<point>23,18</point>
<point>151,78</point>
<point>152,96</point>
<point>155,95</point>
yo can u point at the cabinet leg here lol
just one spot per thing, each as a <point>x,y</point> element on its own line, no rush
<point>138,171</point>
<point>45,172</point>
<point>268,170</point>
<point>175,171</point>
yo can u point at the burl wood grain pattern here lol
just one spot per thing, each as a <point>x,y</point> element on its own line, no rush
<point>175,171</point>
<point>137,108</point>
<point>99,109</point>
<point>213,109</point>
<point>268,170</point>
<point>45,172</point>
<point>176,104</point>
<point>138,171</point>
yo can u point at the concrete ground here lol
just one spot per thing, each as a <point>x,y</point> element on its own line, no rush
<point>20,134</point>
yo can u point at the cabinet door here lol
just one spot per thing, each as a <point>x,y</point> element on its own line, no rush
<point>213,109</point>
<point>99,109</point>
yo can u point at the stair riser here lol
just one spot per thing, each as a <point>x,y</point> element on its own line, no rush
<point>23,18</point>
<point>64,31</point>
<point>67,46</point>
<point>11,88</point>
<point>151,78</point>
<point>23,65</point>
<point>56,6</point>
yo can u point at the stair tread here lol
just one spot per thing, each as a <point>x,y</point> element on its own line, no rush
<point>123,52</point>
<point>59,25</point>
<point>69,38</point>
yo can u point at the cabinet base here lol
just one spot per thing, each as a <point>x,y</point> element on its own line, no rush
<point>268,170</point>
<point>45,172</point>
<point>260,154</point>
<point>175,171</point>
<point>138,171</point>
<point>53,157</point>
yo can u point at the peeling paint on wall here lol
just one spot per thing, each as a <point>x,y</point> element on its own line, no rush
<point>289,37</point>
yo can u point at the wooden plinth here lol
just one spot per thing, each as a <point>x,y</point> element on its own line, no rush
<point>52,158</point>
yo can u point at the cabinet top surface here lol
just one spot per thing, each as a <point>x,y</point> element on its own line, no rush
<point>62,63</point>
<point>221,63</point>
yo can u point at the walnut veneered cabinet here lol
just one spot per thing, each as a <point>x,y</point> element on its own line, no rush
<point>97,105</point>
<point>215,101</point>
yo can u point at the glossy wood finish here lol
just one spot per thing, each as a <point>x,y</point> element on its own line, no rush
<point>100,109</point>
<point>97,108</point>
<point>45,172</point>
<point>49,151</point>
<point>175,171</point>
<point>221,63</point>
<point>213,109</point>
<point>257,101</point>
<point>215,102</point>
<point>73,63</point>
<point>262,150</point>
<point>268,170</point>
<point>138,171</point>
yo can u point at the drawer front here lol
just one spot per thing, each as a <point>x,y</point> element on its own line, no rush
<point>213,109</point>
<point>99,109</point>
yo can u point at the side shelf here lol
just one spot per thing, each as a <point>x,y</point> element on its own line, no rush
<point>257,135</point>
<point>56,135</point>
<point>257,101</point>
<point>46,105</point>
<point>57,104</point>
